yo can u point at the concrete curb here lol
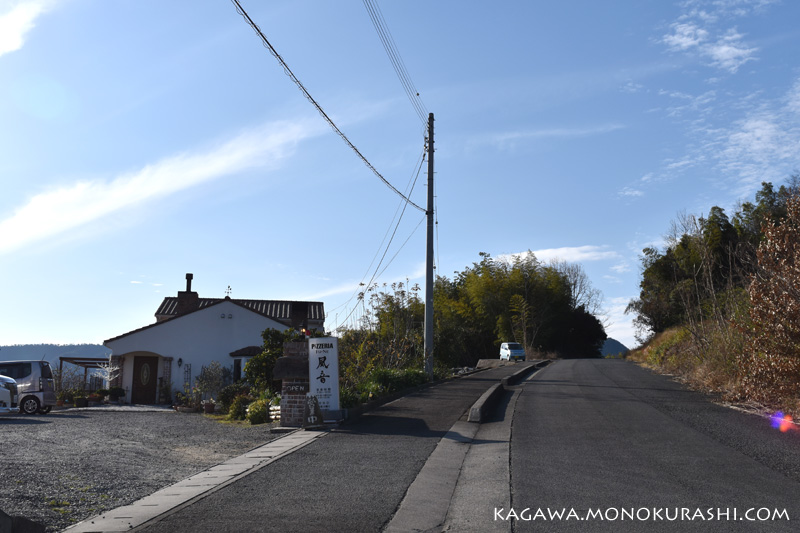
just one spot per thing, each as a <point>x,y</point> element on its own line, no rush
<point>428,498</point>
<point>485,403</point>
<point>488,399</point>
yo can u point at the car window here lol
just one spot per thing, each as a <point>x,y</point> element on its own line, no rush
<point>514,346</point>
<point>15,370</point>
<point>46,373</point>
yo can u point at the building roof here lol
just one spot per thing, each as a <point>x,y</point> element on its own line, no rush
<point>167,311</point>
<point>278,310</point>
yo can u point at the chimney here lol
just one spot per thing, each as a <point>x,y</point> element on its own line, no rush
<point>188,301</point>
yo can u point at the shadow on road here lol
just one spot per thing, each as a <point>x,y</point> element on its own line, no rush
<point>373,424</point>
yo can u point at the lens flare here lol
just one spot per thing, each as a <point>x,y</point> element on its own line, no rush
<point>782,422</point>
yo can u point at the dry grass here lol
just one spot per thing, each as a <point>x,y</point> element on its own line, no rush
<point>723,361</point>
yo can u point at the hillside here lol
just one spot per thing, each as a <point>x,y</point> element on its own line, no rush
<point>51,352</point>
<point>613,347</point>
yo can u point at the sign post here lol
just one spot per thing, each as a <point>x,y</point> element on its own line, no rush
<point>323,373</point>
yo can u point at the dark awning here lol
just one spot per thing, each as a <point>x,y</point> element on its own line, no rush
<point>85,362</point>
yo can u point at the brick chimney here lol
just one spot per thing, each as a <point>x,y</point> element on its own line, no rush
<point>188,301</point>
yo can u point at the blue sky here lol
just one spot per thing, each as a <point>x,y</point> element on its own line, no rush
<point>140,140</point>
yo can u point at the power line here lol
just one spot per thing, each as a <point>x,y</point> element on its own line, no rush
<point>308,96</point>
<point>402,245</point>
<point>436,224</point>
<point>397,61</point>
<point>400,209</point>
<point>386,250</point>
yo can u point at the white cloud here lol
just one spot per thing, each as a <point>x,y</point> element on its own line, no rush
<point>504,140</point>
<point>697,33</point>
<point>728,52</point>
<point>621,268</point>
<point>17,22</point>
<point>57,211</point>
<point>793,98</point>
<point>630,192</point>
<point>632,87</point>
<point>573,254</point>
<point>758,138</point>
<point>620,326</point>
<point>684,36</point>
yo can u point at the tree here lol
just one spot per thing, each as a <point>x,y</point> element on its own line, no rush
<point>258,370</point>
<point>109,372</point>
<point>212,379</point>
<point>775,288</point>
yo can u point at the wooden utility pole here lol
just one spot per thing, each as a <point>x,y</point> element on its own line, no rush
<point>429,260</point>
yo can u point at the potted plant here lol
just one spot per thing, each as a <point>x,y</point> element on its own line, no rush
<point>116,394</point>
<point>209,406</point>
<point>185,402</point>
<point>80,398</point>
<point>94,398</point>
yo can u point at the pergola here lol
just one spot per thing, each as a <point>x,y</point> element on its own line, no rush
<point>87,363</point>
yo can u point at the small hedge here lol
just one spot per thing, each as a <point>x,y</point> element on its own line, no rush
<point>381,382</point>
<point>228,393</point>
<point>238,408</point>
<point>258,412</point>
<point>393,380</point>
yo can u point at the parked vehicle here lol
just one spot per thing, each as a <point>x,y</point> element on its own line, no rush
<point>35,387</point>
<point>8,396</point>
<point>512,351</point>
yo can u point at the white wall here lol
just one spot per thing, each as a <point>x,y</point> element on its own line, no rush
<point>198,338</point>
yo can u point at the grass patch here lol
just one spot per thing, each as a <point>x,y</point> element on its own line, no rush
<point>723,360</point>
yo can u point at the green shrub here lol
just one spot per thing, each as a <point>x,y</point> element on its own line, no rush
<point>238,408</point>
<point>228,393</point>
<point>393,380</point>
<point>348,397</point>
<point>116,392</point>
<point>381,382</point>
<point>258,412</point>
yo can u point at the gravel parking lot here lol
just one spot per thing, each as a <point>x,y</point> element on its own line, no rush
<point>64,467</point>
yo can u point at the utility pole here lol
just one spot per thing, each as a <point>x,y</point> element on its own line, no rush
<point>429,260</point>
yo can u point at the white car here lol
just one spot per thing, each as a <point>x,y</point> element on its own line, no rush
<point>512,351</point>
<point>8,396</point>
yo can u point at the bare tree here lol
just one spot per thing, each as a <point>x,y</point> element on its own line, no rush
<point>583,294</point>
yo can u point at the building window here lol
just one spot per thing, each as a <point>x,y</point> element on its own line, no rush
<point>237,370</point>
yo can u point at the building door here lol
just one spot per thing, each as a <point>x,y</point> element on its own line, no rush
<point>145,371</point>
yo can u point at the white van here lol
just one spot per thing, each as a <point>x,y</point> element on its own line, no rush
<point>512,351</point>
<point>35,387</point>
<point>8,396</point>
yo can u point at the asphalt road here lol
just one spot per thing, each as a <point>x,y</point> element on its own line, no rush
<point>351,480</point>
<point>609,436</point>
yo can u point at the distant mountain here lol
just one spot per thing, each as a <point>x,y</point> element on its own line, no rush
<point>51,352</point>
<point>613,347</point>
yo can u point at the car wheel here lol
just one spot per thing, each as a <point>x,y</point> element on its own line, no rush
<point>29,405</point>
<point>44,410</point>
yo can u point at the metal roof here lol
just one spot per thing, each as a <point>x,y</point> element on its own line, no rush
<point>276,309</point>
<point>280,311</point>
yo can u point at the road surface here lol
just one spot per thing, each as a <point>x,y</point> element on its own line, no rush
<point>609,436</point>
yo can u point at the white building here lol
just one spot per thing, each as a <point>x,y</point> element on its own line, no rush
<point>190,332</point>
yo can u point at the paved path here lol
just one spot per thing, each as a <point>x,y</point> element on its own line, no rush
<point>587,434</point>
<point>353,479</point>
